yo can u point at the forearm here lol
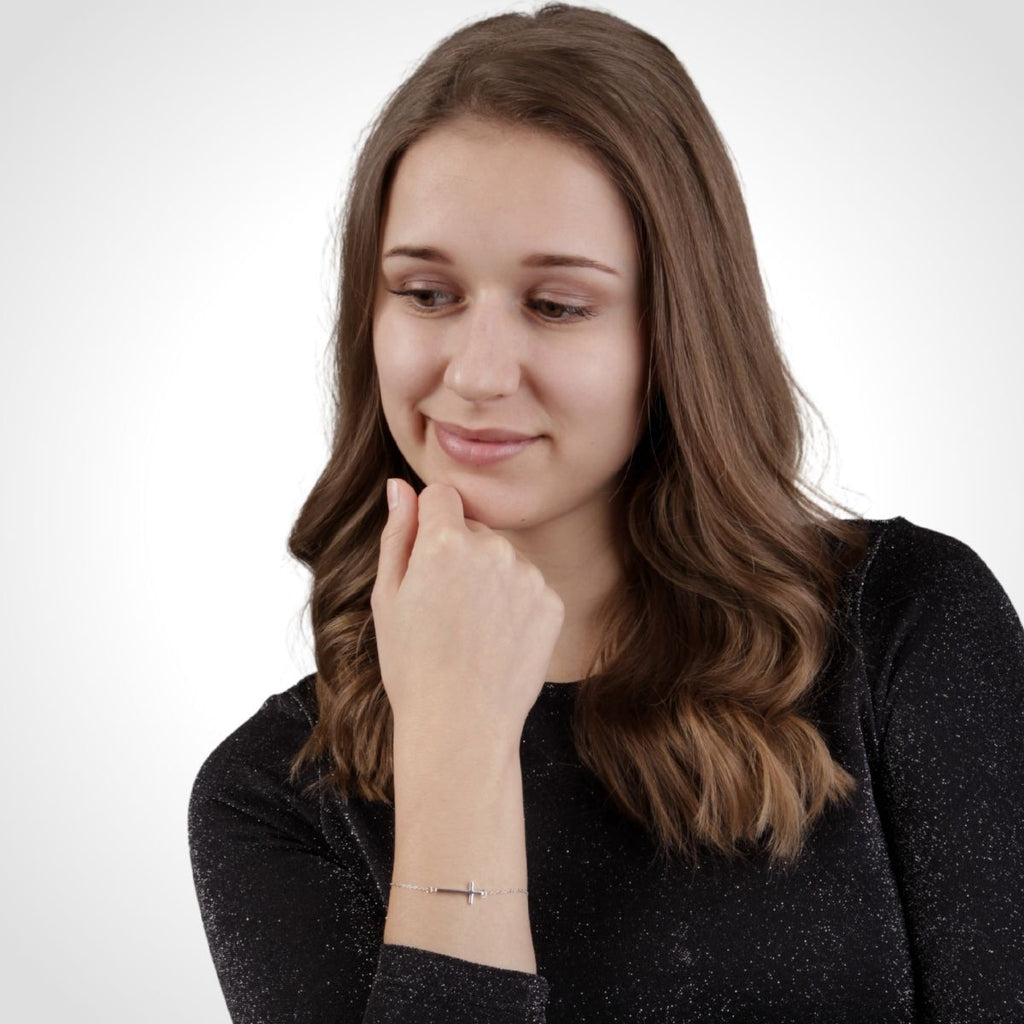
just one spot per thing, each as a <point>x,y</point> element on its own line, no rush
<point>459,817</point>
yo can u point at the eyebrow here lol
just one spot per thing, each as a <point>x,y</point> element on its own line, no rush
<point>537,259</point>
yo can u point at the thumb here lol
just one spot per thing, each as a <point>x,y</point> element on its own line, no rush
<point>397,539</point>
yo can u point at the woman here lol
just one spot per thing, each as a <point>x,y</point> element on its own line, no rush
<point>611,721</point>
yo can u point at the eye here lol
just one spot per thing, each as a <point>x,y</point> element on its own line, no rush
<point>559,311</point>
<point>425,298</point>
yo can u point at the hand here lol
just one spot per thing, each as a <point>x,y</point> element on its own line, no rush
<point>465,625</point>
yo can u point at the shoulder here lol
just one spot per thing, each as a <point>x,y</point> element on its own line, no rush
<point>273,734</point>
<point>905,559</point>
<point>932,619</point>
<point>912,574</point>
<point>248,771</point>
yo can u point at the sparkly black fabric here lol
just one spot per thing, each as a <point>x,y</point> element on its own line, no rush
<point>908,905</point>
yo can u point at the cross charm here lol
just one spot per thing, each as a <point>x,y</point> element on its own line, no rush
<point>468,893</point>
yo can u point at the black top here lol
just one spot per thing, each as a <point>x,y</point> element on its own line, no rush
<point>907,905</point>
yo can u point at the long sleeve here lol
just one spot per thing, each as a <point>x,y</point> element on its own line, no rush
<point>294,924</point>
<point>946,650</point>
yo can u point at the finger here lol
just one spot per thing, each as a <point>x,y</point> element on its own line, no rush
<point>440,505</point>
<point>397,539</point>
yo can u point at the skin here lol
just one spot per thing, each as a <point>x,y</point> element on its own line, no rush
<point>484,337</point>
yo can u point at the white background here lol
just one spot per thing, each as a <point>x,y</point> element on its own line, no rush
<point>169,179</point>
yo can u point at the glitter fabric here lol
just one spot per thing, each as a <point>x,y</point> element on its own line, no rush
<point>906,905</point>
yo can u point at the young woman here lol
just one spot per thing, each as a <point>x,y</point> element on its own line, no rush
<point>611,720</point>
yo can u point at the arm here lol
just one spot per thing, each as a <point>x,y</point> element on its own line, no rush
<point>295,924</point>
<point>465,628</point>
<point>946,650</point>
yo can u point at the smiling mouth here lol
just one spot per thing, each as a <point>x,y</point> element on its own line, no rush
<point>480,447</point>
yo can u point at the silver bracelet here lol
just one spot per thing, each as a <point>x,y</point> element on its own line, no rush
<point>468,893</point>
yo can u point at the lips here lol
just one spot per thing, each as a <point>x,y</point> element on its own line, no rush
<point>488,434</point>
<point>480,446</point>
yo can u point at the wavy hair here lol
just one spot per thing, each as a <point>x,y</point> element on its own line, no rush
<point>697,710</point>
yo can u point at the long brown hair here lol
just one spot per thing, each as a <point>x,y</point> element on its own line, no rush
<point>695,712</point>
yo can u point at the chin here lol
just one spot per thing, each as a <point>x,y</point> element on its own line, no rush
<point>488,500</point>
<point>497,519</point>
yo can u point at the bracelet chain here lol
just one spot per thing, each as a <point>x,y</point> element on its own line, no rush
<point>469,893</point>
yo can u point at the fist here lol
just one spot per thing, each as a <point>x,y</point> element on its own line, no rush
<point>465,625</point>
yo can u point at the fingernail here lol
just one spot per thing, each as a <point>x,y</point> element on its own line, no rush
<point>392,493</point>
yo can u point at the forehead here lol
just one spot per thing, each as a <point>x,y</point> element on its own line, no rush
<point>483,183</point>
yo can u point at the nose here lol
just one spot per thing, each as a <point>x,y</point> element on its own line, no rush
<point>484,352</point>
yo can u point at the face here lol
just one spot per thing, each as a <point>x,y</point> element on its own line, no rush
<point>506,324</point>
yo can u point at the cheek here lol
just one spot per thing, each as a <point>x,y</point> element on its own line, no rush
<point>606,388</point>
<point>405,367</point>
